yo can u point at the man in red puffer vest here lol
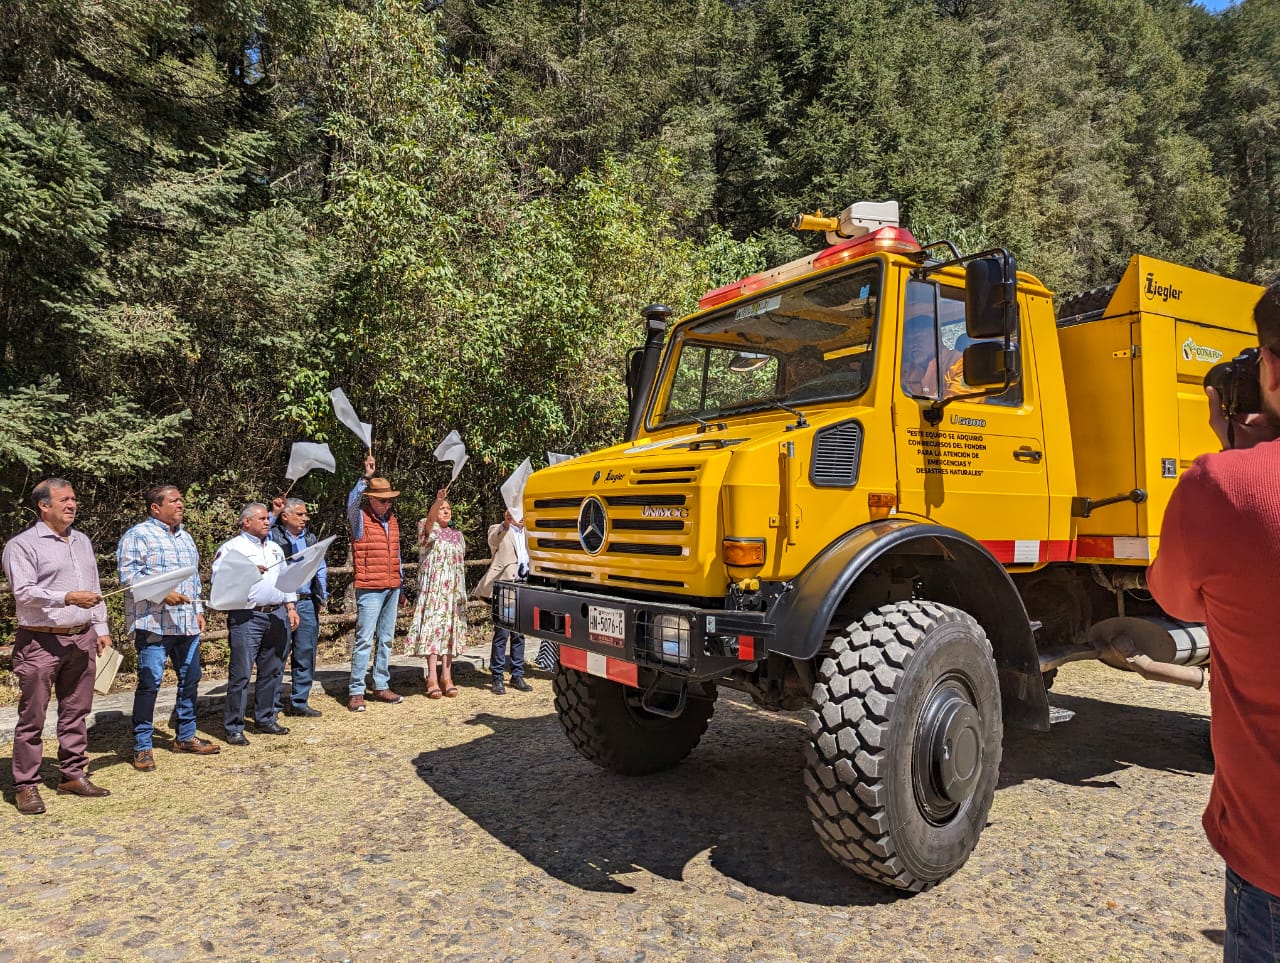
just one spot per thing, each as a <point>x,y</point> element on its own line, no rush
<point>375,549</point>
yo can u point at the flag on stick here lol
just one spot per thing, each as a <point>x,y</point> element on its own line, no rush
<point>306,455</point>
<point>236,576</point>
<point>555,457</point>
<point>513,489</point>
<point>154,588</point>
<point>303,566</point>
<point>347,415</point>
<point>452,449</point>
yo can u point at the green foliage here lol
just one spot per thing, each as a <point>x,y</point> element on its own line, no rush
<point>214,211</point>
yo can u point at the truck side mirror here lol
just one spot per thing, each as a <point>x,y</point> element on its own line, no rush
<point>987,363</point>
<point>991,299</point>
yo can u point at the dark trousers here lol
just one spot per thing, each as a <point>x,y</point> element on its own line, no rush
<point>300,653</point>
<point>498,657</point>
<point>257,638</point>
<point>1253,922</point>
<point>65,663</point>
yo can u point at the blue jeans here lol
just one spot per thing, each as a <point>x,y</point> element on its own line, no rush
<point>498,655</point>
<point>1253,923</point>
<point>256,639</point>
<point>153,649</point>
<point>300,653</point>
<point>375,617</point>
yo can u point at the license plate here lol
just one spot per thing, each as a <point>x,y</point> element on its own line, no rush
<point>606,625</point>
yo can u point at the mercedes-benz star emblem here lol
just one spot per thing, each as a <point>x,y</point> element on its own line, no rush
<point>592,525</point>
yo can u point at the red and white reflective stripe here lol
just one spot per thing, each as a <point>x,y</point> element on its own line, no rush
<point>746,648</point>
<point>606,667</point>
<point>1030,551</point>
<point>1128,548</point>
<point>1034,552</point>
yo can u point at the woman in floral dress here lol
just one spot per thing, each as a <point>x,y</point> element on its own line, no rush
<point>440,618</point>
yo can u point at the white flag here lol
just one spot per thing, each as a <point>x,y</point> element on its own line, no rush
<point>302,568</point>
<point>306,455</point>
<point>347,415</point>
<point>154,588</point>
<point>513,489</point>
<point>452,449</point>
<point>555,457</point>
<point>236,576</point>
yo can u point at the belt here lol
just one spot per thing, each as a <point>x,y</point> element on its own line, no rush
<point>304,595</point>
<point>57,629</point>
<point>264,608</point>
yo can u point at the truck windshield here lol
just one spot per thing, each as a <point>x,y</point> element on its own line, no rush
<point>808,343</point>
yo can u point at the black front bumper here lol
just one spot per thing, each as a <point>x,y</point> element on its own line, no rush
<point>667,637</point>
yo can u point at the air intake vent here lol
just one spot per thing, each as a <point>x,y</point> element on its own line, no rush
<point>837,451</point>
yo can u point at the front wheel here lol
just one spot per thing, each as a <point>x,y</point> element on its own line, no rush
<point>608,726</point>
<point>906,742</point>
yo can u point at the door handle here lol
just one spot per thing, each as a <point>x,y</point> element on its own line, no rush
<point>1026,453</point>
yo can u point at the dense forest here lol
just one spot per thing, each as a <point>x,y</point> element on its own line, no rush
<point>214,211</point>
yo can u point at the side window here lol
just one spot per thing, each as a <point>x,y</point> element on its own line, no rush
<point>935,319</point>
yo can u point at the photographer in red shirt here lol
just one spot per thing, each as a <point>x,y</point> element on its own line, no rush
<point>1219,563</point>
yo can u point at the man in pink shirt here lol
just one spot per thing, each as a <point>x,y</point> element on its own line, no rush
<point>1219,563</point>
<point>62,629</point>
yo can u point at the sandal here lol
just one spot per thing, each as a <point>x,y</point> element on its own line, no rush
<point>451,690</point>
<point>434,692</point>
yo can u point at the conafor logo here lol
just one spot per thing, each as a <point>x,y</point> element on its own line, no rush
<point>1199,352</point>
<point>1165,292</point>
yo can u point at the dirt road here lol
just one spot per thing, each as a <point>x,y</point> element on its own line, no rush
<point>466,829</point>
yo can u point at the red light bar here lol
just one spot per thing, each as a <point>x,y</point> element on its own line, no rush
<point>897,239</point>
<point>734,290</point>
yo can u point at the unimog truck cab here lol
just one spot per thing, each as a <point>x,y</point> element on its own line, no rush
<point>885,484</point>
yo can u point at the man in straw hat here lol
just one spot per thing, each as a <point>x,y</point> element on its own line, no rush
<point>375,549</point>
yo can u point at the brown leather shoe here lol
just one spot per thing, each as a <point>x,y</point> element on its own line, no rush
<point>81,787</point>
<point>201,747</point>
<point>143,761</point>
<point>386,695</point>
<point>28,801</point>
<point>356,703</point>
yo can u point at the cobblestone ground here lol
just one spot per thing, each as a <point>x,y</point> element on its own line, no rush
<point>467,829</point>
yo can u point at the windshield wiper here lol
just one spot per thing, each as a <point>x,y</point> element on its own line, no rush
<point>801,421</point>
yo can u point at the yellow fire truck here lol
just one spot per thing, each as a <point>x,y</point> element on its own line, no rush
<point>886,484</point>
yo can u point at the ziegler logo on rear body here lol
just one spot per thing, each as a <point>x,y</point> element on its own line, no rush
<point>1165,292</point>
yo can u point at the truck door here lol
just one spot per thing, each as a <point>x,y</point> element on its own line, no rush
<point>982,468</point>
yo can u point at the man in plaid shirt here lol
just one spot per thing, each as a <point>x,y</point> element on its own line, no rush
<point>169,629</point>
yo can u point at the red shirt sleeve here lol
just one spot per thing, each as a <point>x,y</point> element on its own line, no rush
<point>1176,578</point>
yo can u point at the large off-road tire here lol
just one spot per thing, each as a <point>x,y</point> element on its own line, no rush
<point>906,745</point>
<point>606,724</point>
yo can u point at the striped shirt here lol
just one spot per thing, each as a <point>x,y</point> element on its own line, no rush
<point>149,548</point>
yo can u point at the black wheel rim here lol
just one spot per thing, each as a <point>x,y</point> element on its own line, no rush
<point>946,757</point>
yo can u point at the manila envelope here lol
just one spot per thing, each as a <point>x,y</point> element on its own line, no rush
<point>108,666</point>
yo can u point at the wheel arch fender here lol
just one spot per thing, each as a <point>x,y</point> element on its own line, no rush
<point>955,570</point>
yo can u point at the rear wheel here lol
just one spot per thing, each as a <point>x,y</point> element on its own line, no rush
<point>906,742</point>
<point>608,726</point>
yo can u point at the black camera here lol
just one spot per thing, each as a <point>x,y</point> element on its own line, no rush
<point>1237,383</point>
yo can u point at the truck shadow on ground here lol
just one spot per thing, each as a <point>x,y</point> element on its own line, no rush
<point>740,796</point>
<point>1104,738</point>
